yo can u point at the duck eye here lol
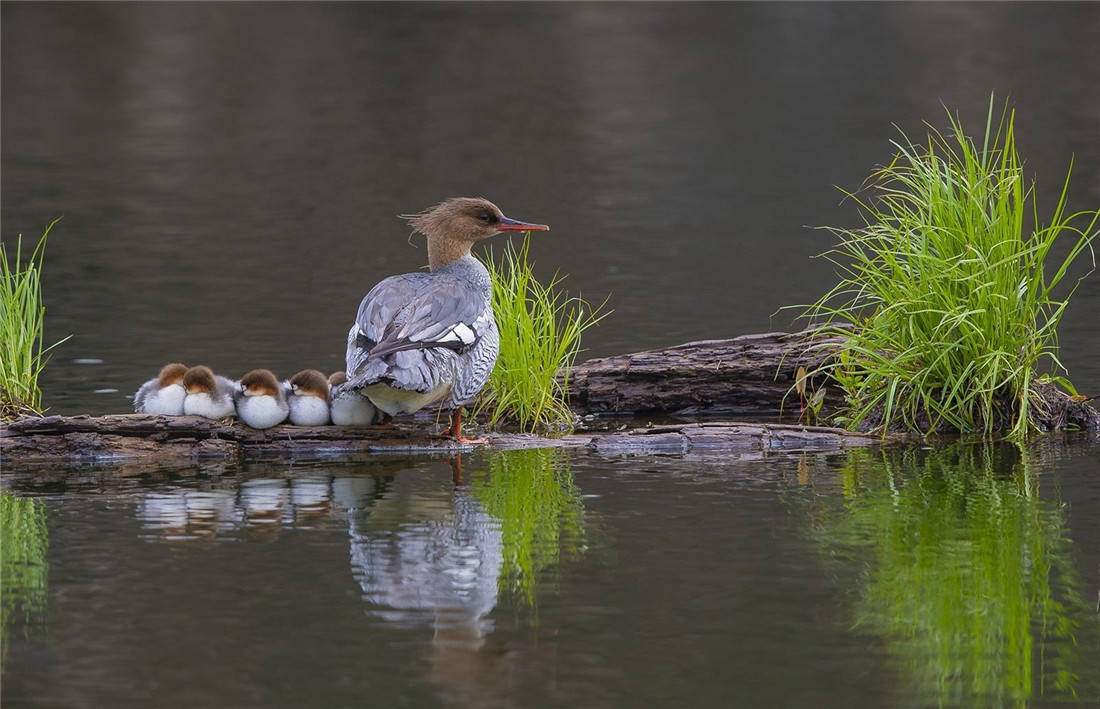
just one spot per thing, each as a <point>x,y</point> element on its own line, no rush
<point>484,216</point>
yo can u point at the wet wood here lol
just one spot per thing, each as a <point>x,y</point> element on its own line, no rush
<point>745,376</point>
<point>165,438</point>
<point>734,437</point>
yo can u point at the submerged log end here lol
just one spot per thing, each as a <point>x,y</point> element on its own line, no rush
<point>752,438</point>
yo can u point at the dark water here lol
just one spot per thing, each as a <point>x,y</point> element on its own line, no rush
<point>959,576</point>
<point>229,176</point>
<point>229,173</point>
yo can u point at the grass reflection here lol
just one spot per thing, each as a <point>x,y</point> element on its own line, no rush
<point>24,540</point>
<point>969,577</point>
<point>539,506</point>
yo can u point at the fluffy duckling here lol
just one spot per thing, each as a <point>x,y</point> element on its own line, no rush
<point>307,396</point>
<point>261,402</point>
<point>349,407</point>
<point>208,394</point>
<point>163,395</point>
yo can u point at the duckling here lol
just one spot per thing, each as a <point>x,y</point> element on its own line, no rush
<point>349,407</point>
<point>307,396</point>
<point>261,402</point>
<point>163,395</point>
<point>422,338</point>
<point>208,394</point>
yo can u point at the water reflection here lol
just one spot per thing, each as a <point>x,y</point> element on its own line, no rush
<point>426,554</point>
<point>24,541</point>
<point>434,560</point>
<point>188,514</point>
<point>260,505</point>
<point>966,574</point>
<point>444,558</point>
<point>533,494</point>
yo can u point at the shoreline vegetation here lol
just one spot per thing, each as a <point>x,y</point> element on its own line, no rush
<point>22,317</point>
<point>946,304</point>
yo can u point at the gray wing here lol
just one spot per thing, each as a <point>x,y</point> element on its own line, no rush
<point>410,329</point>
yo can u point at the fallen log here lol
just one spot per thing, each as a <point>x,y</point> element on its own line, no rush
<point>746,376</point>
<point>164,438</point>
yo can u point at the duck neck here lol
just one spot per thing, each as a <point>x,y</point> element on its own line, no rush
<point>444,251</point>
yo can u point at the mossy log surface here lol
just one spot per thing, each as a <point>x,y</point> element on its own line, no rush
<point>133,436</point>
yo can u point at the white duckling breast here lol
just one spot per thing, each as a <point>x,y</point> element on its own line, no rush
<point>308,410</point>
<point>262,411</point>
<point>151,399</point>
<point>211,407</point>
<point>351,408</point>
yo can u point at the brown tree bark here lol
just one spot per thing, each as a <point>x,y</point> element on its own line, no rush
<point>746,376</point>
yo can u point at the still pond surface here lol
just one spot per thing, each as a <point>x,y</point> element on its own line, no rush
<point>229,176</point>
<point>538,578</point>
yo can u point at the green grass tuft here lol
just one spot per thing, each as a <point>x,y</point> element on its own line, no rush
<point>540,337</point>
<point>950,300</point>
<point>22,314</point>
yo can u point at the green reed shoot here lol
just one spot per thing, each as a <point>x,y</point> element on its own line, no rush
<point>950,295</point>
<point>22,314</point>
<point>540,337</point>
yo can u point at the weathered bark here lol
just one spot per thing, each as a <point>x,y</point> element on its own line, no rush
<point>141,435</point>
<point>744,376</point>
<point>164,438</point>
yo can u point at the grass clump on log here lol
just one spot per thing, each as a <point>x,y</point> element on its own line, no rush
<point>946,300</point>
<point>540,337</point>
<point>22,315</point>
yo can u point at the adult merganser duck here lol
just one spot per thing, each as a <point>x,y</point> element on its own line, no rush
<point>208,394</point>
<point>307,396</point>
<point>163,395</point>
<point>261,402</point>
<point>421,338</point>
<point>349,407</point>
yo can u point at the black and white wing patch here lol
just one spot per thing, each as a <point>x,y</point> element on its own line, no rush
<point>409,313</point>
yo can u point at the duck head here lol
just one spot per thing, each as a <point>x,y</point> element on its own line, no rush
<point>199,380</point>
<point>309,382</point>
<point>453,226</point>
<point>171,374</point>
<point>260,382</point>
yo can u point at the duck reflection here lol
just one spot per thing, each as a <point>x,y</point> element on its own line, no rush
<point>433,558</point>
<point>426,552</point>
<point>263,505</point>
<point>188,514</point>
